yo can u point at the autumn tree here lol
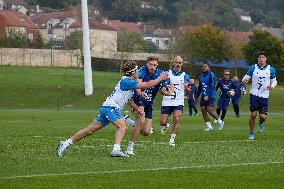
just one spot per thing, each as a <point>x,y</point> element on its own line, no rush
<point>263,41</point>
<point>206,43</point>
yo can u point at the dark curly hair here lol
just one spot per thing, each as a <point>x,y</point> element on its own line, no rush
<point>129,67</point>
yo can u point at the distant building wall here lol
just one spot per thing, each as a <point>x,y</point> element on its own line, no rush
<point>102,41</point>
<point>40,57</point>
<point>64,58</point>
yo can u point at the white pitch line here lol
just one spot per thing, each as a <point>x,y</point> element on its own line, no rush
<point>139,170</point>
<point>142,143</point>
<point>39,136</point>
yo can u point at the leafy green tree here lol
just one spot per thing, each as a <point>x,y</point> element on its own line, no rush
<point>206,43</point>
<point>74,41</point>
<point>15,39</point>
<point>149,47</point>
<point>273,18</point>
<point>37,43</point>
<point>134,42</point>
<point>125,10</point>
<point>192,18</point>
<point>257,16</point>
<point>263,41</point>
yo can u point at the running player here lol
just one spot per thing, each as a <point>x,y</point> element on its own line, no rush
<point>174,104</point>
<point>110,112</point>
<point>263,81</point>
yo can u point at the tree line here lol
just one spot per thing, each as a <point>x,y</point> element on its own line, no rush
<point>171,13</point>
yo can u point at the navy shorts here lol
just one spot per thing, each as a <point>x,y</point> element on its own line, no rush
<point>108,114</point>
<point>148,111</point>
<point>223,103</point>
<point>236,101</point>
<point>139,101</point>
<point>258,104</point>
<point>170,109</point>
<point>209,102</point>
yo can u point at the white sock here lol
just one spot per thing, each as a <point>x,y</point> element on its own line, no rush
<point>208,124</point>
<point>173,136</point>
<point>130,145</point>
<point>67,143</point>
<point>116,147</point>
<point>219,121</point>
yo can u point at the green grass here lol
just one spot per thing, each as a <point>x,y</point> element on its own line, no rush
<point>28,141</point>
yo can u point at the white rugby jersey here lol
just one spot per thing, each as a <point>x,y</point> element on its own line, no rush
<point>261,79</point>
<point>122,93</point>
<point>178,96</point>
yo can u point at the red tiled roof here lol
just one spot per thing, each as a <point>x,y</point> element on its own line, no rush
<point>97,25</point>
<point>41,19</point>
<point>123,26</point>
<point>238,37</point>
<point>15,18</point>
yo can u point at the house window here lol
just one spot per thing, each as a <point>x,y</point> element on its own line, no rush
<point>166,42</point>
<point>49,29</point>
<point>157,42</point>
<point>30,37</point>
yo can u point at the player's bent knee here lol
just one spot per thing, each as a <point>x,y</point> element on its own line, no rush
<point>262,117</point>
<point>145,133</point>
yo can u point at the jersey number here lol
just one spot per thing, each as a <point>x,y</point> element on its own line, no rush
<point>260,84</point>
<point>175,94</point>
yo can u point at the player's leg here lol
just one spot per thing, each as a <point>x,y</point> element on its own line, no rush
<point>97,124</point>
<point>235,103</point>
<point>166,111</point>
<point>147,128</point>
<point>195,110</point>
<point>176,124</point>
<point>210,110</point>
<point>254,107</point>
<point>189,108</point>
<point>203,107</point>
<point>121,129</point>
<point>252,124</point>
<point>139,122</point>
<point>263,113</point>
<point>224,108</point>
<point>92,128</point>
<point>219,106</point>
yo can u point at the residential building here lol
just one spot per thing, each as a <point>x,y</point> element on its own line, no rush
<point>242,14</point>
<point>1,4</point>
<point>124,26</point>
<point>19,5</point>
<point>163,38</point>
<point>14,22</point>
<point>56,26</point>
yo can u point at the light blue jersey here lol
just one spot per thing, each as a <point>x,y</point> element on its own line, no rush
<point>122,93</point>
<point>111,108</point>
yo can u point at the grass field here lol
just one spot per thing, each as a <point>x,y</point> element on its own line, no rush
<point>30,129</point>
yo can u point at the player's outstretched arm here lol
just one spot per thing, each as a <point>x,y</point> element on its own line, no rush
<point>152,83</point>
